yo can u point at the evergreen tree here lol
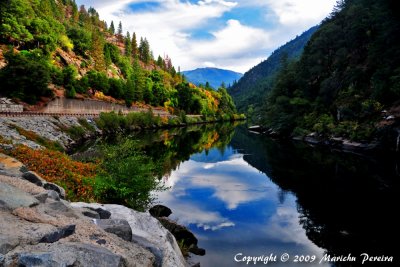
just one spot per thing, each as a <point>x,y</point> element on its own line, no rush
<point>97,51</point>
<point>144,50</point>
<point>128,45</point>
<point>134,46</point>
<point>112,28</point>
<point>107,55</point>
<point>119,32</point>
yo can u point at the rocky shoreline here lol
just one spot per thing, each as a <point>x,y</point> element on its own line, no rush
<point>39,228</point>
<point>50,128</point>
<point>388,141</point>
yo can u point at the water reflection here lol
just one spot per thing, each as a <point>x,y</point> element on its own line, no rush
<point>234,208</point>
<point>257,196</point>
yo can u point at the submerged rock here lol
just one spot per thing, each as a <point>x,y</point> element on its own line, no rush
<point>160,211</point>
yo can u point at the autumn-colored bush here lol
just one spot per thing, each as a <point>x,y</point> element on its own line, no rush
<point>56,167</point>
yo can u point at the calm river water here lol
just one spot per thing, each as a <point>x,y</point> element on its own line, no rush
<point>246,195</point>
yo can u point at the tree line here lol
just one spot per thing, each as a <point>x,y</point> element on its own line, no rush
<point>110,63</point>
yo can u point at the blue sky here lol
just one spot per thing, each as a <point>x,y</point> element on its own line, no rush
<point>229,34</point>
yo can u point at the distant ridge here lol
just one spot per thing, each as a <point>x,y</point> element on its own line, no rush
<point>252,87</point>
<point>214,76</point>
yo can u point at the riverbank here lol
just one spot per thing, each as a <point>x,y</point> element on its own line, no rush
<point>37,135</point>
<point>386,139</point>
<point>38,226</point>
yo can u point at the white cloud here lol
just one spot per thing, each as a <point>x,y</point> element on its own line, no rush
<point>169,28</point>
<point>305,12</point>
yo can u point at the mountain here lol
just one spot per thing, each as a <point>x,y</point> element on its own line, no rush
<point>215,77</point>
<point>346,80</point>
<point>52,46</point>
<point>252,87</point>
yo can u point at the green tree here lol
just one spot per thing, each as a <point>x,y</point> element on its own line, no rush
<point>97,50</point>
<point>144,50</point>
<point>134,46</point>
<point>119,32</point>
<point>128,45</point>
<point>112,28</point>
<point>25,77</point>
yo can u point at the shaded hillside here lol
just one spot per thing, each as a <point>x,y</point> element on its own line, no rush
<point>49,46</point>
<point>347,76</point>
<point>215,77</point>
<point>255,83</point>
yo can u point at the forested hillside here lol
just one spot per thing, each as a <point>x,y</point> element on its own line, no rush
<point>212,77</point>
<point>249,92</point>
<point>48,46</point>
<point>348,77</point>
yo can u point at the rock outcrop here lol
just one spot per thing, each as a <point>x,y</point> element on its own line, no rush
<point>146,231</point>
<point>39,228</point>
<point>51,128</point>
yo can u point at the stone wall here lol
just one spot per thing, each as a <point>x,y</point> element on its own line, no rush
<point>7,106</point>
<point>77,106</point>
<point>89,106</point>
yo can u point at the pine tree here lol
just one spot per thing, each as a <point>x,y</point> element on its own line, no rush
<point>97,51</point>
<point>128,45</point>
<point>112,28</point>
<point>107,55</point>
<point>144,50</point>
<point>119,32</point>
<point>134,46</point>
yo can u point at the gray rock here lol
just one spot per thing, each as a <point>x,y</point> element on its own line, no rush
<point>12,197</point>
<point>7,243</point>
<point>10,166</point>
<point>58,234</point>
<point>38,259</point>
<point>118,227</point>
<point>1,259</point>
<point>54,208</point>
<point>148,232</point>
<point>42,197</point>
<point>104,214</point>
<point>53,195</point>
<point>33,177</point>
<point>182,234</point>
<point>54,187</point>
<point>65,254</point>
<point>90,213</point>
<point>160,211</point>
<point>196,250</point>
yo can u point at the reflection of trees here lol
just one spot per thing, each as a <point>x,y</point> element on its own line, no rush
<point>346,202</point>
<point>170,148</point>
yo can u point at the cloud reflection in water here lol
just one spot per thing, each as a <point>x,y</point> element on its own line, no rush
<point>232,207</point>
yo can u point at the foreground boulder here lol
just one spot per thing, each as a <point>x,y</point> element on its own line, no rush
<point>37,228</point>
<point>147,232</point>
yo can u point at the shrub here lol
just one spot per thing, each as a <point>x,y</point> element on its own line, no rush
<point>128,177</point>
<point>56,167</point>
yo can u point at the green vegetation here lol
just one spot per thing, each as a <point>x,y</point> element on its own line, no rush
<point>348,73</point>
<point>30,135</point>
<point>54,42</point>
<point>250,91</point>
<point>127,176</point>
<point>112,123</point>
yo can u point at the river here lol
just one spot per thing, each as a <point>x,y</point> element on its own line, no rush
<point>253,196</point>
<point>244,195</point>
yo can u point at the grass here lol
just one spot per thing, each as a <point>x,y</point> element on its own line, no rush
<point>30,135</point>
